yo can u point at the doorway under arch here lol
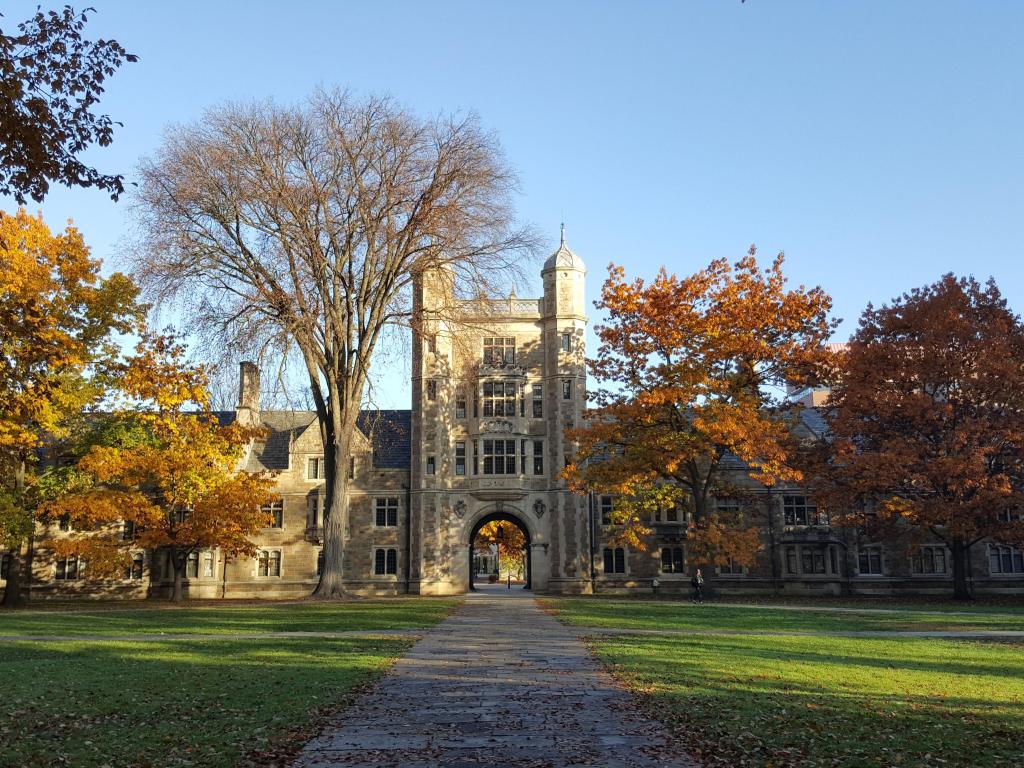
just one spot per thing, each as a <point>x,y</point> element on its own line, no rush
<point>500,517</point>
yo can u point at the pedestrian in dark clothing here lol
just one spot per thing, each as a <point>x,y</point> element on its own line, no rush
<point>697,582</point>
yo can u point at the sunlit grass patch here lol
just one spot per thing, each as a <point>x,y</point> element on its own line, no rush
<point>168,703</point>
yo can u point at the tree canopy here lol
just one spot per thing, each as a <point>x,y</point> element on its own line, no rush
<point>59,320</point>
<point>51,80</point>
<point>171,474</point>
<point>301,230</point>
<point>926,417</point>
<point>684,381</point>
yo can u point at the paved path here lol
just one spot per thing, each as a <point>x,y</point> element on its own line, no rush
<point>498,683</point>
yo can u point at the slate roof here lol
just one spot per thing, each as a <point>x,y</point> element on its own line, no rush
<point>388,430</point>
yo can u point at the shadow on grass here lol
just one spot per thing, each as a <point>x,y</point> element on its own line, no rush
<point>287,617</point>
<point>748,703</point>
<point>204,703</point>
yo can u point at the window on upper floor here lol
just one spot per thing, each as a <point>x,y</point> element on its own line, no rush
<point>538,457</point>
<point>460,459</point>
<point>567,341</point>
<point>313,510</point>
<point>499,457</point>
<point>499,398</point>
<point>800,510</point>
<point>567,389</point>
<point>431,465</point>
<point>1011,515</point>
<point>499,350</point>
<point>316,469</point>
<point>276,511</point>
<point>1005,559</point>
<point>386,512</point>
<point>538,401</point>
<point>605,506</point>
<point>64,523</point>
<point>181,515</point>
<point>128,531</point>
<point>460,405</point>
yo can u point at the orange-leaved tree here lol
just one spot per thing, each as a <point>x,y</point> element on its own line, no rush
<point>510,542</point>
<point>58,323</point>
<point>170,471</point>
<point>685,372</point>
<point>927,420</point>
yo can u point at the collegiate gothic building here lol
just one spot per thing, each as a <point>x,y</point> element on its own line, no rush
<point>495,384</point>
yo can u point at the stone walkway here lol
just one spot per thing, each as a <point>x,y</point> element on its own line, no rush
<point>498,683</point>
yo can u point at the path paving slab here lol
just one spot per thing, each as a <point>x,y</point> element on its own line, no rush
<point>498,683</point>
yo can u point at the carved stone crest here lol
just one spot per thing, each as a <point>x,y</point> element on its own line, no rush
<point>459,508</point>
<point>496,425</point>
<point>539,509</point>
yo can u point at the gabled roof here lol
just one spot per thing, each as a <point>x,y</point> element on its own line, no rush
<point>389,432</point>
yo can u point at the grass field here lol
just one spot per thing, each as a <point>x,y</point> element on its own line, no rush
<point>761,700</point>
<point>180,702</point>
<point>664,614</point>
<point>309,616</point>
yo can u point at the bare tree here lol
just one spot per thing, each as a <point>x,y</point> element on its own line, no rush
<point>302,230</point>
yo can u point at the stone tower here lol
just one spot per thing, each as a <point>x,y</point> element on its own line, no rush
<point>495,383</point>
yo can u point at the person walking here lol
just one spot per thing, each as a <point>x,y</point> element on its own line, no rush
<point>697,582</point>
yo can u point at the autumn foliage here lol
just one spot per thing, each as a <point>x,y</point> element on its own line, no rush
<point>510,541</point>
<point>58,324</point>
<point>927,420</point>
<point>168,471</point>
<point>683,376</point>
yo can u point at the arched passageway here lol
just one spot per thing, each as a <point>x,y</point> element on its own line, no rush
<point>500,517</point>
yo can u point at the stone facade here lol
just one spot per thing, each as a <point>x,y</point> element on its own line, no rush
<point>495,384</point>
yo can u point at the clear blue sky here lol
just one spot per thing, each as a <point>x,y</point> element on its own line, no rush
<point>880,144</point>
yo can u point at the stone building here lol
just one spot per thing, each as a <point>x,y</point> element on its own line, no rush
<point>495,384</point>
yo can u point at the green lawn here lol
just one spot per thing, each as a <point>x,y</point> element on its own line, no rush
<point>762,700</point>
<point>809,701</point>
<point>311,616</point>
<point>664,614</point>
<point>172,703</point>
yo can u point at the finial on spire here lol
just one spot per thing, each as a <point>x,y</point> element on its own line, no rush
<point>563,233</point>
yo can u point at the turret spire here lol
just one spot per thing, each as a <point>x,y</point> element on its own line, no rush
<point>563,233</point>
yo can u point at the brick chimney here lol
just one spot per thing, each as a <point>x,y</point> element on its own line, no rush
<point>248,411</point>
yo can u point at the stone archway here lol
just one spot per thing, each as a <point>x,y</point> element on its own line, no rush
<point>508,517</point>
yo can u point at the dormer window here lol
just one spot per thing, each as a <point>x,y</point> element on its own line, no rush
<point>499,350</point>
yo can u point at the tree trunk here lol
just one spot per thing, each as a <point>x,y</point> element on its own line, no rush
<point>335,513</point>
<point>959,551</point>
<point>13,596</point>
<point>178,591</point>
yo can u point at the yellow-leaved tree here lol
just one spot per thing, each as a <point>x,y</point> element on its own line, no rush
<point>687,375</point>
<point>167,468</point>
<point>58,324</point>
